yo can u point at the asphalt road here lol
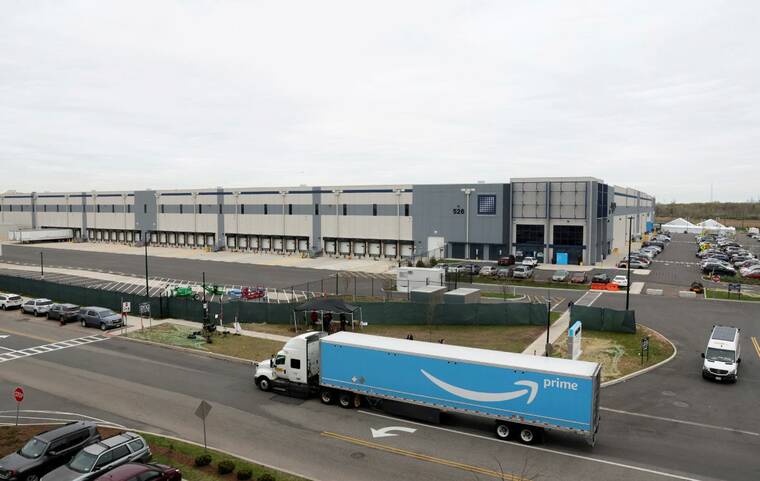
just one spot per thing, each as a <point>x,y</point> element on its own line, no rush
<point>646,436</point>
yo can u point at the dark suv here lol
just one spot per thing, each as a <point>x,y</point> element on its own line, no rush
<point>47,451</point>
<point>99,317</point>
<point>63,313</point>
<point>96,459</point>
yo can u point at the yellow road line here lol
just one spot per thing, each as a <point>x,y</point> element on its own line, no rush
<point>424,457</point>
<point>31,336</point>
<point>757,345</point>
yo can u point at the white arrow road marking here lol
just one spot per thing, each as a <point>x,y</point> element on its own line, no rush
<point>4,336</point>
<point>486,396</point>
<point>385,432</point>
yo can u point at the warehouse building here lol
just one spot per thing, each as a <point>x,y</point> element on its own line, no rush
<point>559,220</point>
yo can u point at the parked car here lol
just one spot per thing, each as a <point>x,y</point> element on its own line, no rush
<point>747,263</point>
<point>621,281</point>
<point>99,317</point>
<point>636,263</point>
<point>504,272</point>
<point>142,472</point>
<point>522,272</point>
<point>47,451</point>
<point>579,278</point>
<point>64,313</point>
<point>719,269</point>
<point>602,278</point>
<point>487,271</point>
<point>530,261</point>
<point>471,268</point>
<point>10,301</point>
<point>36,306</point>
<point>561,276</point>
<point>506,260</point>
<point>101,457</point>
<point>752,274</point>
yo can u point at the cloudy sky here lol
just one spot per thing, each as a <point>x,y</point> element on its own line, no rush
<point>661,96</point>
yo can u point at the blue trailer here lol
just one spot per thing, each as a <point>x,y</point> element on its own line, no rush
<point>523,394</point>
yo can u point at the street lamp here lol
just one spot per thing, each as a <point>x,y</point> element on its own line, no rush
<point>42,266</point>
<point>467,191</point>
<point>628,264</point>
<point>145,243</point>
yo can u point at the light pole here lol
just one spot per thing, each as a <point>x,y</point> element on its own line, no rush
<point>548,321</point>
<point>145,243</point>
<point>628,264</point>
<point>42,266</point>
<point>467,192</point>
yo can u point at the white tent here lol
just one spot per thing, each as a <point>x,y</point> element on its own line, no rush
<point>681,225</point>
<point>711,225</point>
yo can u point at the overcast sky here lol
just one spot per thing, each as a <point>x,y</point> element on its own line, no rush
<point>660,96</point>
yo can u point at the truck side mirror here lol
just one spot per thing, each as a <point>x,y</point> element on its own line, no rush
<point>738,360</point>
<point>703,355</point>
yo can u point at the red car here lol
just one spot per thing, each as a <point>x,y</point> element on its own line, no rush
<point>255,293</point>
<point>142,472</point>
<point>506,260</point>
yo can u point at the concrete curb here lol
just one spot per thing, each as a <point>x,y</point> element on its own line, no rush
<point>174,438</point>
<point>222,357</point>
<point>646,369</point>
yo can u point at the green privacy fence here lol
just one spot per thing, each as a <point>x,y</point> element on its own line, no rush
<point>604,319</point>
<point>506,314</point>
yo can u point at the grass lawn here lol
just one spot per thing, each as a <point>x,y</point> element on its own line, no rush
<point>499,338</point>
<point>238,346</point>
<point>165,451</point>
<point>723,294</point>
<point>737,280</point>
<point>464,279</point>
<point>618,353</point>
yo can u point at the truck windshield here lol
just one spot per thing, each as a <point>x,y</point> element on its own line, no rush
<point>719,355</point>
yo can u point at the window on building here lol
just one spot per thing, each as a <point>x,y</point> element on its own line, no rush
<point>57,207</point>
<point>316,209</point>
<point>200,208</point>
<point>162,208</point>
<point>374,209</point>
<point>145,208</point>
<point>242,208</point>
<point>181,210</point>
<point>345,209</point>
<point>70,208</point>
<point>113,208</point>
<point>266,209</point>
<point>568,235</point>
<point>220,208</point>
<point>486,204</point>
<point>529,234</point>
<point>290,209</point>
<point>97,207</point>
<point>44,207</point>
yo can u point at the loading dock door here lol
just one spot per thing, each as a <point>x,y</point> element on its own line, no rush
<point>243,242</point>
<point>359,248</point>
<point>406,250</point>
<point>266,243</point>
<point>290,245</point>
<point>390,250</point>
<point>374,248</point>
<point>303,245</point>
<point>330,247</point>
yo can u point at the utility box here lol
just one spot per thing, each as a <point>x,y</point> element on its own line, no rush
<point>428,294</point>
<point>574,338</point>
<point>410,278</point>
<point>463,295</point>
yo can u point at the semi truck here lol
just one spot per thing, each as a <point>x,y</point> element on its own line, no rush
<point>523,394</point>
<point>40,235</point>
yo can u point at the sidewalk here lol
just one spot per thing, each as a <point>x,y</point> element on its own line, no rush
<point>134,325</point>
<point>560,326</point>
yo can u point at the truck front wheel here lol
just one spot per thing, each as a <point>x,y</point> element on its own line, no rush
<point>264,384</point>
<point>327,396</point>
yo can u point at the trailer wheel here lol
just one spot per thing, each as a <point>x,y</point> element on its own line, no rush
<point>503,430</point>
<point>345,400</point>
<point>327,396</point>
<point>356,401</point>
<point>529,435</point>
<point>264,384</point>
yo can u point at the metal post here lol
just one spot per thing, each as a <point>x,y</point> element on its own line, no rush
<point>467,192</point>
<point>42,266</point>
<point>337,274</point>
<point>548,320</point>
<point>204,435</point>
<point>18,404</point>
<point>147,289</point>
<point>628,264</point>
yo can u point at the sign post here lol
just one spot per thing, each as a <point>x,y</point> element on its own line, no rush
<point>145,312</point>
<point>126,308</point>
<point>644,347</point>
<point>202,412</point>
<point>18,395</point>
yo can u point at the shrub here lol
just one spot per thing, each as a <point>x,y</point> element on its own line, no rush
<point>244,474</point>
<point>266,477</point>
<point>433,262</point>
<point>420,263</point>
<point>203,460</point>
<point>225,467</point>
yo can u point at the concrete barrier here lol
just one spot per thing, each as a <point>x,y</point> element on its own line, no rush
<point>654,292</point>
<point>687,294</point>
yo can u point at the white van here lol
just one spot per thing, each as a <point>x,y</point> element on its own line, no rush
<point>723,354</point>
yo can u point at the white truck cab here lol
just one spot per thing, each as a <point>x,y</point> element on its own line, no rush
<point>723,354</point>
<point>295,369</point>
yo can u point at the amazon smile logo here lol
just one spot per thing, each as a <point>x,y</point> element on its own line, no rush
<point>531,389</point>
